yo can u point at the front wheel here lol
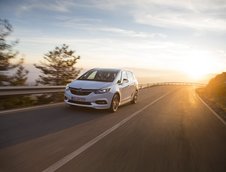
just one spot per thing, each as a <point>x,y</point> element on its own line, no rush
<point>114,103</point>
<point>135,98</point>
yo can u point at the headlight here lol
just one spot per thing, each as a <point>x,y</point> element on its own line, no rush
<point>67,87</point>
<point>102,91</point>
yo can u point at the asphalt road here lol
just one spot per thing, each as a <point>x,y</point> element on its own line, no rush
<point>169,129</point>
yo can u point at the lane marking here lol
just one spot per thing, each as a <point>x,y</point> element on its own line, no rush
<point>78,151</point>
<point>30,108</point>
<point>215,114</point>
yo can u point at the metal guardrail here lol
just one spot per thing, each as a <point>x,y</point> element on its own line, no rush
<point>169,83</point>
<point>27,90</point>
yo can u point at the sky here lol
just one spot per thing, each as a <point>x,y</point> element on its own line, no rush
<point>160,40</point>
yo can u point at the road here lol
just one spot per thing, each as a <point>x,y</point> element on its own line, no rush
<point>169,129</point>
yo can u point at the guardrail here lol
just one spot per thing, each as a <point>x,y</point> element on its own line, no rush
<point>169,83</point>
<point>26,90</point>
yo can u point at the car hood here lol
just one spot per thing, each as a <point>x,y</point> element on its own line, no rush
<point>89,84</point>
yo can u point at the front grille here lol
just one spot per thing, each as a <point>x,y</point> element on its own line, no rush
<point>81,92</point>
<point>78,102</point>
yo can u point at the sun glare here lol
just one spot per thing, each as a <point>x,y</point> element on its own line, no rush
<point>198,65</point>
<point>197,73</point>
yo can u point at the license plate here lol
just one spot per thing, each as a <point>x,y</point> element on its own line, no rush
<point>81,99</point>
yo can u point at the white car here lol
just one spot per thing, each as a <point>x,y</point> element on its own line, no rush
<point>102,88</point>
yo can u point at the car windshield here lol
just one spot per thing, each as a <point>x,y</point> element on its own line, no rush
<point>99,75</point>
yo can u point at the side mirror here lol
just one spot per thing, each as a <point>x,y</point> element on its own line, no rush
<point>125,80</point>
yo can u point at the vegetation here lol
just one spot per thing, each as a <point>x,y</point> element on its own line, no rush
<point>11,74</point>
<point>7,77</point>
<point>216,88</point>
<point>58,67</point>
<point>215,92</point>
<point>20,77</point>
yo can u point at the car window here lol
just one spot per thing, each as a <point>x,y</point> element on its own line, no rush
<point>119,77</point>
<point>130,76</point>
<point>92,75</point>
<point>124,75</point>
<point>99,75</point>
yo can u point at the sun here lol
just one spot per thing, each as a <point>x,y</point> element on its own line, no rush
<point>197,73</point>
<point>198,65</point>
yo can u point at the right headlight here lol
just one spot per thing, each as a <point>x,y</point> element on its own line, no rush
<point>102,91</point>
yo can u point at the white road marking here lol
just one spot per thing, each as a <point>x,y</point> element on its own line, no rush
<point>216,115</point>
<point>78,151</point>
<point>30,108</point>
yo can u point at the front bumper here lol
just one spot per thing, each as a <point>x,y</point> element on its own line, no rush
<point>89,100</point>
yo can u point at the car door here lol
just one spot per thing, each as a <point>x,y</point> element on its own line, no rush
<point>124,87</point>
<point>131,87</point>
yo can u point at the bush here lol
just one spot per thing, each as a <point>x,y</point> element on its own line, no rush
<point>216,88</point>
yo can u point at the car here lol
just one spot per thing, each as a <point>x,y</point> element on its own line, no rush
<point>102,88</point>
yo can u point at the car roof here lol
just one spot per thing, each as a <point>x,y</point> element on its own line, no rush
<point>112,69</point>
<point>107,69</point>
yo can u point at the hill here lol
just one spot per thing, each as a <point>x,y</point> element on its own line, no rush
<point>214,94</point>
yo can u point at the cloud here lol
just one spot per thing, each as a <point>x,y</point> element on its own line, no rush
<point>76,22</point>
<point>192,14</point>
<point>197,15</point>
<point>97,25</point>
<point>131,33</point>
<point>176,20</point>
<point>51,5</point>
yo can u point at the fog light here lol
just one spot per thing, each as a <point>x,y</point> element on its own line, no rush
<point>101,102</point>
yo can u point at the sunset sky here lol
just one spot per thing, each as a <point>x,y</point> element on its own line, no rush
<point>162,40</point>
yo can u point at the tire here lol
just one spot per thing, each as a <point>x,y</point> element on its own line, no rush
<point>114,103</point>
<point>135,98</point>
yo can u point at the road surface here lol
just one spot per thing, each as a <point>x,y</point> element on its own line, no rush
<point>169,129</point>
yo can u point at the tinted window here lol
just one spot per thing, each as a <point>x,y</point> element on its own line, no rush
<point>99,75</point>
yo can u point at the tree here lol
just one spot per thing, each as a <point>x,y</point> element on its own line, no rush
<point>6,53</point>
<point>11,74</point>
<point>58,67</point>
<point>20,77</point>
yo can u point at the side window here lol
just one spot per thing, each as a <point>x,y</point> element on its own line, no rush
<point>130,76</point>
<point>124,75</point>
<point>119,77</point>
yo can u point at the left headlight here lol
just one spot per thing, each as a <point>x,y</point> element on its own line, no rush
<point>102,91</point>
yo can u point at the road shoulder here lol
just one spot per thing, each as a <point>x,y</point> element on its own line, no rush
<point>218,111</point>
